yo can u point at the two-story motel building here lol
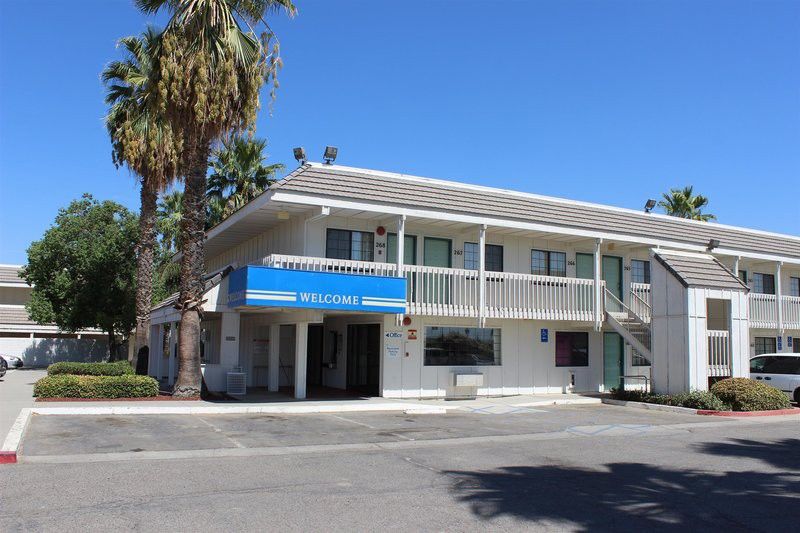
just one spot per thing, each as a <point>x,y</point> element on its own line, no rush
<point>402,286</point>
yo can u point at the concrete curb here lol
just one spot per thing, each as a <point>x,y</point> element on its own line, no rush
<point>8,453</point>
<point>747,414</point>
<point>574,401</point>
<point>651,406</point>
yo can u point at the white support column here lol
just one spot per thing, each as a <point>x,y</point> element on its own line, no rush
<point>482,277</point>
<point>401,250</point>
<point>778,302</point>
<point>300,359</point>
<point>157,347</point>
<point>598,292</point>
<point>274,378</point>
<point>172,336</point>
<point>736,266</point>
<point>229,341</point>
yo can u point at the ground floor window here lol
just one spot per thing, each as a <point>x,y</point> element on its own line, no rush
<point>572,348</point>
<point>766,345</point>
<point>459,346</point>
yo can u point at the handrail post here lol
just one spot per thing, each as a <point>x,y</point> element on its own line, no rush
<point>482,277</point>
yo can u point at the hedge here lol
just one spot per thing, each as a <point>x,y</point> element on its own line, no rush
<point>70,386</point>
<point>692,400</point>
<point>744,394</point>
<point>118,368</point>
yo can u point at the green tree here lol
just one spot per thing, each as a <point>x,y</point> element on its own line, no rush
<point>140,139</point>
<point>684,203</point>
<point>83,270</point>
<point>238,174</point>
<point>207,85</point>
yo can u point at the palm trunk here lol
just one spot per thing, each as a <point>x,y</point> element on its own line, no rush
<point>192,274</point>
<point>144,272</point>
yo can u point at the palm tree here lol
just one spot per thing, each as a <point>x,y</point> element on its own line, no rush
<point>139,142</point>
<point>169,215</point>
<point>238,174</point>
<point>208,81</point>
<point>684,204</point>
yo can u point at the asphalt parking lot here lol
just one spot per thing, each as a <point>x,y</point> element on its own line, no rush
<point>75,435</point>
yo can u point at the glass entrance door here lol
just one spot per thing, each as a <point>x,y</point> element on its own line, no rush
<point>613,360</point>
<point>364,358</point>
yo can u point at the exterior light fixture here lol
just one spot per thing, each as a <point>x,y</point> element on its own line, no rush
<point>330,154</point>
<point>283,215</point>
<point>713,243</point>
<point>649,205</point>
<point>300,155</point>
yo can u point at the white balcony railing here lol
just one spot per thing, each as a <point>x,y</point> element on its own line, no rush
<point>453,292</point>
<point>640,302</point>
<point>764,311</point>
<point>719,353</point>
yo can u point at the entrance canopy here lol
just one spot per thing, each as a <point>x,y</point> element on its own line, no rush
<point>260,286</point>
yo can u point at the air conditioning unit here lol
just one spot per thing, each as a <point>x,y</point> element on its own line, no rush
<point>236,383</point>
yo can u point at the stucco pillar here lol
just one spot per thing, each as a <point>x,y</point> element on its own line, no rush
<point>401,250</point>
<point>274,377</point>
<point>779,303</point>
<point>229,341</point>
<point>300,359</point>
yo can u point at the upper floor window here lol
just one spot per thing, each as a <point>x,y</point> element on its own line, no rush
<point>794,286</point>
<point>346,244</point>
<point>494,257</point>
<point>545,263</point>
<point>640,271</point>
<point>743,276</point>
<point>763,283</point>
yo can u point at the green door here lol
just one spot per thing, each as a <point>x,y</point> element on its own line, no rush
<point>613,360</point>
<point>584,266</point>
<point>437,253</point>
<point>409,249</point>
<point>612,275</point>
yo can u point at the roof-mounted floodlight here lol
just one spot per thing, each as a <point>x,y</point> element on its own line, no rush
<point>649,205</point>
<point>713,243</point>
<point>300,154</point>
<point>330,154</point>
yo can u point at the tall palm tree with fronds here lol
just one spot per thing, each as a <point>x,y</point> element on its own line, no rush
<point>212,65</point>
<point>140,140</point>
<point>239,174</point>
<point>684,203</point>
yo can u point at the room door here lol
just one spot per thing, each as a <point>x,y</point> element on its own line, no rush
<point>364,358</point>
<point>584,266</point>
<point>437,253</point>
<point>613,360</point>
<point>314,366</point>
<point>612,275</point>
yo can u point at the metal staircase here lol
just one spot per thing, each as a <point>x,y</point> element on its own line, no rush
<point>633,327</point>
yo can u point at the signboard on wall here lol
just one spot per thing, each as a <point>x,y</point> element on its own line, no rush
<point>544,334</point>
<point>780,343</point>
<point>257,286</point>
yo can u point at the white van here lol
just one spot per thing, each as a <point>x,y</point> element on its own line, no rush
<point>779,370</point>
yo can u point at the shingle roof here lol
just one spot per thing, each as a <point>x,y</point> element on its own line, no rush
<point>696,270</point>
<point>408,191</point>
<point>211,280</point>
<point>10,274</point>
<point>15,315</point>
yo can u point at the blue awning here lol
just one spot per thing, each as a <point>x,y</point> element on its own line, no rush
<point>258,286</point>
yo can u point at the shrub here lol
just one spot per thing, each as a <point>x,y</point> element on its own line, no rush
<point>699,400</point>
<point>118,368</point>
<point>71,386</point>
<point>744,394</point>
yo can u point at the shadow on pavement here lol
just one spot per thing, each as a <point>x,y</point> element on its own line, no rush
<point>784,453</point>
<point>633,496</point>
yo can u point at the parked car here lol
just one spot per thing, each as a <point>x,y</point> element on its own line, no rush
<point>12,361</point>
<point>780,370</point>
<point>3,367</point>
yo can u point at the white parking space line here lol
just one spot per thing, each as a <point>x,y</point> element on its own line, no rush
<point>217,430</point>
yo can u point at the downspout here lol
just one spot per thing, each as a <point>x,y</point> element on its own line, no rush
<point>598,292</point>
<point>779,302</point>
<point>401,252</point>
<point>324,211</point>
<point>482,277</point>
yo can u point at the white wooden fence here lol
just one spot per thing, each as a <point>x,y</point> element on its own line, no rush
<point>719,354</point>
<point>454,292</point>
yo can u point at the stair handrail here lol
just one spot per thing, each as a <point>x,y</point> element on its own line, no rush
<point>644,304</point>
<point>625,308</point>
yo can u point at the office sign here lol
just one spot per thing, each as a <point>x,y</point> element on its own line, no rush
<point>257,286</point>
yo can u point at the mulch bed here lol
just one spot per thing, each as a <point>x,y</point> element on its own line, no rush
<point>161,398</point>
<point>776,412</point>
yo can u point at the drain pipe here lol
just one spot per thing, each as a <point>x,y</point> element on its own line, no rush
<point>324,211</point>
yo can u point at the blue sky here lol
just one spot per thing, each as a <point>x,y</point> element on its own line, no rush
<point>610,102</point>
